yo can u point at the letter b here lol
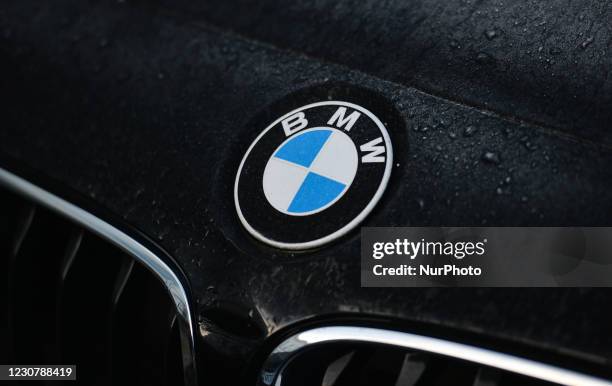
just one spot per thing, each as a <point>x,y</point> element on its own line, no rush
<point>294,123</point>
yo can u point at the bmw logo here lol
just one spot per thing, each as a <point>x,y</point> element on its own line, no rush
<point>313,175</point>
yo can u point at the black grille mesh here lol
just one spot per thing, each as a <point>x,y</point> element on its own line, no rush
<point>69,297</point>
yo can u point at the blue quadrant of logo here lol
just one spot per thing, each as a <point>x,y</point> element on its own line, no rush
<point>303,149</point>
<point>316,191</point>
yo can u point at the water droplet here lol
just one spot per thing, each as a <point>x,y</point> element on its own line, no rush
<point>587,42</point>
<point>421,203</point>
<point>469,131</point>
<point>499,191</point>
<point>484,58</point>
<point>452,135</point>
<point>490,157</point>
<point>166,230</point>
<point>454,44</point>
<point>490,34</point>
<point>523,198</point>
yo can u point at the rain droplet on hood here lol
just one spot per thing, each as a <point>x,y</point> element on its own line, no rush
<point>490,34</point>
<point>469,131</point>
<point>490,157</point>
<point>587,42</point>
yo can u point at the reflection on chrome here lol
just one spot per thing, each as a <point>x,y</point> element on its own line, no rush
<point>277,361</point>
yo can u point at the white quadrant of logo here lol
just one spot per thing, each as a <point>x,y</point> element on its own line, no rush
<point>313,175</point>
<point>310,171</point>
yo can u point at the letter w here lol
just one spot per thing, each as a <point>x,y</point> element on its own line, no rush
<point>374,151</point>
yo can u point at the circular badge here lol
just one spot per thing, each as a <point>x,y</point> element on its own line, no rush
<point>313,175</point>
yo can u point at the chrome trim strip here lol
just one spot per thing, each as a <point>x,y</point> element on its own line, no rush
<point>275,364</point>
<point>130,246</point>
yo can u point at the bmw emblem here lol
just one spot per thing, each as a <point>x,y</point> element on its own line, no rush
<point>313,175</point>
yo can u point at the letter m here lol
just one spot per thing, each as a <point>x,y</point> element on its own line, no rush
<point>339,119</point>
<point>374,151</point>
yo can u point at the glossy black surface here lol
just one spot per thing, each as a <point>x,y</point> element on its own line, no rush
<point>546,62</point>
<point>146,110</point>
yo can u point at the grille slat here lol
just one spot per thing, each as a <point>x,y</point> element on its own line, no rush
<point>72,248</point>
<point>369,365</point>
<point>173,374</point>
<point>23,220</point>
<point>23,223</point>
<point>487,377</point>
<point>412,370</point>
<point>120,282</point>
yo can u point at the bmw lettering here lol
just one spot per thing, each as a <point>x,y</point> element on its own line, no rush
<point>313,175</point>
